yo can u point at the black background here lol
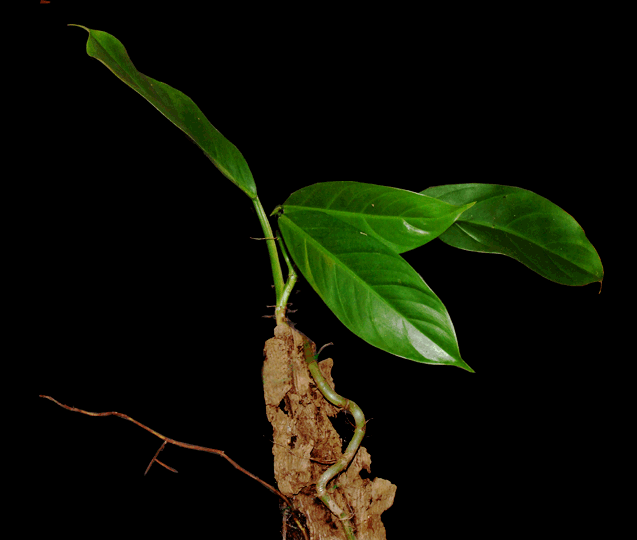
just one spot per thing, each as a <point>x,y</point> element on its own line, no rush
<point>146,293</point>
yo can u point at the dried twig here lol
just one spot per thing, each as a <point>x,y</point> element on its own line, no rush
<point>177,443</point>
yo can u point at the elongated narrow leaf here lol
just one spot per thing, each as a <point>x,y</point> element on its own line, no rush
<point>370,288</point>
<point>401,219</point>
<point>176,106</point>
<point>523,225</point>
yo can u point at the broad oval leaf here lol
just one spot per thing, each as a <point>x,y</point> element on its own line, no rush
<point>372,290</point>
<point>176,106</point>
<point>401,219</point>
<point>523,225</point>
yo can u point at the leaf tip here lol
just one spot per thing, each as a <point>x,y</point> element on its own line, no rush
<point>462,364</point>
<point>466,207</point>
<point>80,26</point>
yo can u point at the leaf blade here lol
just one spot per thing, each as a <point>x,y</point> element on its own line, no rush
<point>176,107</point>
<point>525,226</point>
<point>371,289</point>
<point>401,219</point>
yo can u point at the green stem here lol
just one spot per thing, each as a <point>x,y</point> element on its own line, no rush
<point>292,277</point>
<point>321,486</point>
<point>277,274</point>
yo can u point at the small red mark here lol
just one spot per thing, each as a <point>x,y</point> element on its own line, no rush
<point>44,2</point>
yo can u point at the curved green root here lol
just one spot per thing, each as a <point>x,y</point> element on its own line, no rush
<point>321,486</point>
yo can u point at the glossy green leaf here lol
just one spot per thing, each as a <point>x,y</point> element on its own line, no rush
<point>176,106</point>
<point>523,225</point>
<point>401,219</point>
<point>370,288</point>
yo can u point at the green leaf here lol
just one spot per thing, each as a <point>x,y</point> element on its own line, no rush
<point>176,106</point>
<point>402,220</point>
<point>523,225</point>
<point>370,288</point>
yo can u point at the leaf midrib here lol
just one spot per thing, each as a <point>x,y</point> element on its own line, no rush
<point>367,286</point>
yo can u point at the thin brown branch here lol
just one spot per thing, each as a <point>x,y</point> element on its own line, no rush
<point>164,465</point>
<point>176,443</point>
<point>156,460</point>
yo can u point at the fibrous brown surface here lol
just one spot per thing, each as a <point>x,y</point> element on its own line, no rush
<point>306,444</point>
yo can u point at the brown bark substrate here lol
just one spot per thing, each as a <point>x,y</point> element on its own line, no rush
<point>306,443</point>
